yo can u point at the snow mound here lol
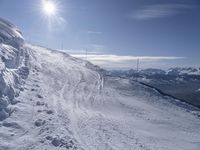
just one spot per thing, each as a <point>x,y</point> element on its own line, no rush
<point>13,65</point>
<point>10,34</point>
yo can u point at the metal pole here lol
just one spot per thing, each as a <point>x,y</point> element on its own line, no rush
<point>138,62</point>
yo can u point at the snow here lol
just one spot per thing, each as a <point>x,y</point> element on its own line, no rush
<point>184,71</point>
<point>12,63</point>
<point>68,103</point>
<point>10,34</point>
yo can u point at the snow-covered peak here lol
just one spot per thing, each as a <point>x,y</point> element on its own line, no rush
<point>10,34</point>
<point>152,71</point>
<point>184,71</point>
<point>177,71</point>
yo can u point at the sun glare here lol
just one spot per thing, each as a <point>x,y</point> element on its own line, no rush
<point>51,10</point>
<point>49,7</point>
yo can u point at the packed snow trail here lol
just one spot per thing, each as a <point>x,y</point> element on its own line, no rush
<point>68,103</point>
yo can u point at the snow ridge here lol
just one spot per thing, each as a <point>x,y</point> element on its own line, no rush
<point>13,66</point>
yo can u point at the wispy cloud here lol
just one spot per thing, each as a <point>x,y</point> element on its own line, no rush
<point>80,52</point>
<point>124,62</point>
<point>117,58</point>
<point>94,32</point>
<point>160,11</point>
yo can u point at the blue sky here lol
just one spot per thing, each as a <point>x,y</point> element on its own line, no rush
<point>166,32</point>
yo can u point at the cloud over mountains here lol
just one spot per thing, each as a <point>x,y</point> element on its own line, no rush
<point>160,11</point>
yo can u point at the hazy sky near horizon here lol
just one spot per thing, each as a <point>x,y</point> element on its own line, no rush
<point>117,30</point>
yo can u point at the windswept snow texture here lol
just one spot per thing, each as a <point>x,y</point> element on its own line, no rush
<point>13,66</point>
<point>68,103</point>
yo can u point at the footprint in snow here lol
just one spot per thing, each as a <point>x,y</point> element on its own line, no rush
<point>66,142</point>
<point>33,89</point>
<point>38,103</point>
<point>36,85</point>
<point>39,96</point>
<point>39,122</point>
<point>49,112</point>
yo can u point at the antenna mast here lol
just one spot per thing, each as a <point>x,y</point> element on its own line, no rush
<point>137,73</point>
<point>138,63</point>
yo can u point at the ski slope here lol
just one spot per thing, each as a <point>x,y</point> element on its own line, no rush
<point>68,103</point>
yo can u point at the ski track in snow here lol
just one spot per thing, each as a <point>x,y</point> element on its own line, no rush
<point>66,105</point>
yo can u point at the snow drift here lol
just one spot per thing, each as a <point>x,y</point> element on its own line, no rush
<point>13,65</point>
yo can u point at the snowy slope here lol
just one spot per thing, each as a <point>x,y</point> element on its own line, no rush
<point>68,103</point>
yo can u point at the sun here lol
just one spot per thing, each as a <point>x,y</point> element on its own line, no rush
<point>50,11</point>
<point>49,7</point>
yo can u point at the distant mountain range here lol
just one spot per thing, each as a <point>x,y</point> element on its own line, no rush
<point>177,71</point>
<point>181,83</point>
